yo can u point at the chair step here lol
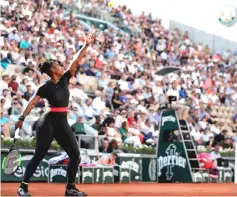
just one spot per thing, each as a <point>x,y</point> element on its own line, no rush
<point>191,149</point>
<point>185,131</point>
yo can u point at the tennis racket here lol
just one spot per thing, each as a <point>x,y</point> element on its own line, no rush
<point>12,161</point>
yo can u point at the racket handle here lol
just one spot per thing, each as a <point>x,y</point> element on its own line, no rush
<point>16,136</point>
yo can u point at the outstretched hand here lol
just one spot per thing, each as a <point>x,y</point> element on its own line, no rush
<point>90,37</point>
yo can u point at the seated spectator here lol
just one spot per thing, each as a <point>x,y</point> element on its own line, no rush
<point>127,137</point>
<point>105,145</point>
<point>98,104</point>
<point>133,129</point>
<point>89,112</point>
<point>98,126</point>
<point>217,159</point>
<point>111,132</point>
<point>13,85</point>
<point>15,110</point>
<point>120,118</point>
<point>6,97</point>
<point>215,128</point>
<point>215,154</point>
<point>5,123</point>
<point>116,100</point>
<point>77,92</point>
<point>130,118</point>
<point>113,146</point>
<point>4,82</point>
<point>78,127</point>
<point>210,144</point>
<point>73,115</point>
<point>227,143</point>
<point>22,86</point>
<point>109,92</point>
<point>141,107</point>
<point>220,137</point>
<point>204,137</point>
<point>149,133</point>
<point>102,82</point>
<point>29,92</point>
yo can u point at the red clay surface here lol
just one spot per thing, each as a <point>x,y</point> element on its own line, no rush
<point>132,189</point>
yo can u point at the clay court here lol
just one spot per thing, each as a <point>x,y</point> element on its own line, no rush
<point>133,189</point>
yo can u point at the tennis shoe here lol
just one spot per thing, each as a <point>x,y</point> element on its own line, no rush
<point>22,192</point>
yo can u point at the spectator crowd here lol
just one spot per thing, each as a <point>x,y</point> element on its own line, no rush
<point>125,107</point>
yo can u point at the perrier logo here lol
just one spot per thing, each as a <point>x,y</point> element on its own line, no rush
<point>169,161</point>
<point>169,118</point>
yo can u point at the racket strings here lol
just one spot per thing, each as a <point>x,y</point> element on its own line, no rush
<point>12,162</point>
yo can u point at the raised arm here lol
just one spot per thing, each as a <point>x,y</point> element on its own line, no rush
<point>80,54</point>
<point>28,109</point>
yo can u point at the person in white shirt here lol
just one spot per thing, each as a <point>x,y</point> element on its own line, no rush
<point>122,117</point>
<point>134,129</point>
<point>150,135</point>
<point>5,96</point>
<point>215,129</point>
<point>4,82</point>
<point>141,107</point>
<point>120,65</point>
<point>89,112</point>
<point>98,104</point>
<point>157,90</point>
<point>77,92</point>
<point>123,84</point>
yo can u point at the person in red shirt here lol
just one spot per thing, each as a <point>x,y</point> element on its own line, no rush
<point>13,85</point>
<point>130,118</point>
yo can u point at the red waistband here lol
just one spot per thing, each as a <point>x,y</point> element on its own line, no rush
<point>58,109</point>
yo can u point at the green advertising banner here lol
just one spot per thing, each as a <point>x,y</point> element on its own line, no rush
<point>134,164</point>
<point>41,173</point>
<point>58,174</point>
<point>172,163</point>
<point>149,170</point>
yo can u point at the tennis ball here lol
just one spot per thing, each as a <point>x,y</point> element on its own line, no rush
<point>111,4</point>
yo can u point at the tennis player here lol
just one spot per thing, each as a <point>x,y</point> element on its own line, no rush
<point>53,124</point>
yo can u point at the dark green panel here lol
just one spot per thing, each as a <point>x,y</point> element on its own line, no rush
<point>108,176</point>
<point>172,163</point>
<point>87,175</point>
<point>149,172</point>
<point>98,175</point>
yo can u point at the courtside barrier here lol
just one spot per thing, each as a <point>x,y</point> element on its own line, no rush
<point>142,168</point>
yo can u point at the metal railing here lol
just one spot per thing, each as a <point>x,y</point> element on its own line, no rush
<point>89,141</point>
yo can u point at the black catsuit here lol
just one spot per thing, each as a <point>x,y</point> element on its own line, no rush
<point>54,125</point>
